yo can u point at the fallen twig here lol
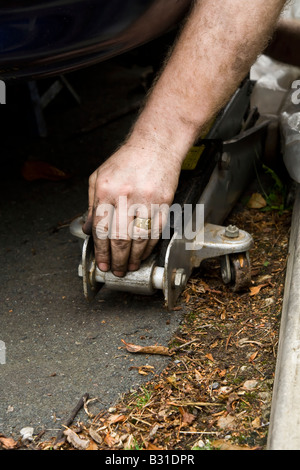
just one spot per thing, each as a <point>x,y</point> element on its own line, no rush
<point>60,438</point>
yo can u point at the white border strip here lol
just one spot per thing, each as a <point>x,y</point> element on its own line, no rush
<point>284,429</point>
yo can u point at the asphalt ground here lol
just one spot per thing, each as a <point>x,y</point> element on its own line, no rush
<point>58,346</point>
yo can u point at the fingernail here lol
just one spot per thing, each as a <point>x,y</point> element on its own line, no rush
<point>119,273</point>
<point>103,267</point>
<point>133,267</point>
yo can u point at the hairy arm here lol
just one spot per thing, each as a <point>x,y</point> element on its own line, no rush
<point>217,45</point>
<point>215,50</point>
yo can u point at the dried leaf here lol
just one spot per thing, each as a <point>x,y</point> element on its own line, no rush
<point>172,379</point>
<point>198,376</point>
<point>95,436</point>
<point>7,442</point>
<point>210,357</point>
<point>151,446</point>
<point>35,170</point>
<point>233,397</point>
<point>109,440</point>
<point>134,348</point>
<point>75,440</point>
<point>92,446</point>
<point>264,277</point>
<point>250,384</point>
<point>153,431</point>
<point>223,444</point>
<point>256,289</point>
<point>187,418</point>
<point>256,201</point>
<point>227,422</point>
<point>116,418</point>
<point>143,370</point>
<point>253,356</point>
<point>256,422</point>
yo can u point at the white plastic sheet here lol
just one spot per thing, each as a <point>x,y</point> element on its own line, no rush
<point>274,79</point>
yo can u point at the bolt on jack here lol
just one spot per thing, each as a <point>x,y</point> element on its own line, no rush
<point>231,231</point>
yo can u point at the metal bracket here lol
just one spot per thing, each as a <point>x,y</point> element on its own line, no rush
<point>215,243</point>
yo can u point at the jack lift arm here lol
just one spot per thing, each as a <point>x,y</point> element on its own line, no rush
<point>214,178</point>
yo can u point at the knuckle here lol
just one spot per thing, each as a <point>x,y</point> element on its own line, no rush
<point>148,191</point>
<point>92,179</point>
<point>168,196</point>
<point>125,189</point>
<point>103,188</point>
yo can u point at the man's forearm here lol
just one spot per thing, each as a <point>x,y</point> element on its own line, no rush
<point>220,41</point>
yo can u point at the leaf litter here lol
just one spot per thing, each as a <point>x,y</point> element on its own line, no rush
<point>215,392</point>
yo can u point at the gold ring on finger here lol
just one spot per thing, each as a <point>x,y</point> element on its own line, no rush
<point>142,223</point>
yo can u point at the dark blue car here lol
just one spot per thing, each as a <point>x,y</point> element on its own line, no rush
<point>39,38</point>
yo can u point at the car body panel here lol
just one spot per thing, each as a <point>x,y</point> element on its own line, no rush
<point>50,37</point>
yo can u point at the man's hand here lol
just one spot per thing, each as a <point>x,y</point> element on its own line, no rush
<point>133,182</point>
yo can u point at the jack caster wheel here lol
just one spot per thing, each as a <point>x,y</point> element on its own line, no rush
<point>236,271</point>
